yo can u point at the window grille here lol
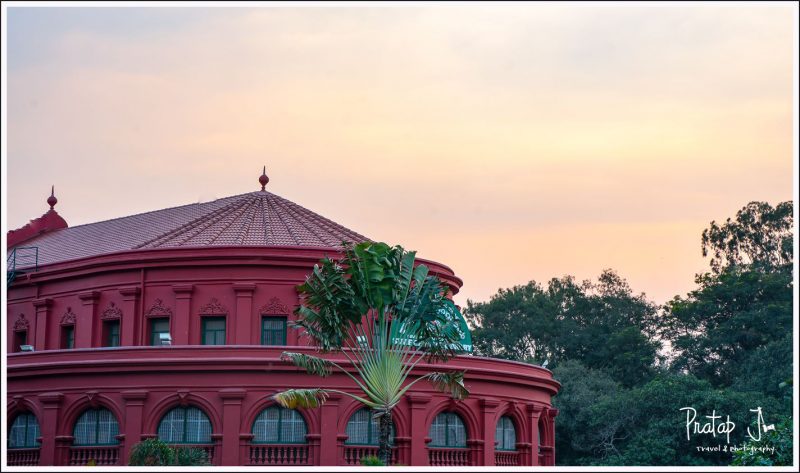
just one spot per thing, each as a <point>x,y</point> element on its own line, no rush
<point>96,427</point>
<point>279,425</point>
<point>69,337</point>
<point>157,327</point>
<point>24,432</point>
<point>113,334</point>
<point>185,425</point>
<point>447,430</point>
<point>213,330</point>
<point>363,429</point>
<point>273,330</point>
<point>505,438</point>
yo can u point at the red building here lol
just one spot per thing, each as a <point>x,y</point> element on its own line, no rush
<point>91,307</point>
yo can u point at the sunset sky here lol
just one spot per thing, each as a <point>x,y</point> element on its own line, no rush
<point>510,142</point>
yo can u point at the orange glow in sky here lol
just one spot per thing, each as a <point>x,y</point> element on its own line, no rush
<point>511,142</point>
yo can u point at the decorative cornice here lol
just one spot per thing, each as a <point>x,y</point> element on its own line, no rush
<point>68,318</point>
<point>51,398</point>
<point>232,394</point>
<point>89,297</point>
<point>243,288</point>
<point>489,404</point>
<point>183,288</point>
<point>136,395</point>
<point>158,309</point>
<point>21,324</point>
<point>274,307</point>
<point>213,308</point>
<point>130,291</point>
<point>112,313</point>
<point>43,302</point>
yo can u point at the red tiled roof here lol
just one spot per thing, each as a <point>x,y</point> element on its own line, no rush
<point>253,219</point>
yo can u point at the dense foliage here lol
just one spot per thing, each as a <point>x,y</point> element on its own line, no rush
<point>628,366</point>
<point>154,452</point>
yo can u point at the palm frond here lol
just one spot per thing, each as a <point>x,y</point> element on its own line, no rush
<point>450,382</point>
<point>312,364</point>
<point>305,398</point>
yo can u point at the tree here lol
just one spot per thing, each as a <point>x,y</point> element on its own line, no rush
<point>601,324</point>
<point>760,237</point>
<point>351,308</point>
<point>744,303</point>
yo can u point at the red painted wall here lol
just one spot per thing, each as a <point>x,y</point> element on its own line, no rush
<point>233,383</point>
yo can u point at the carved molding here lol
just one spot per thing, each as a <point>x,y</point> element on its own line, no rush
<point>21,324</point>
<point>112,313</point>
<point>158,309</point>
<point>213,308</point>
<point>68,318</point>
<point>274,307</point>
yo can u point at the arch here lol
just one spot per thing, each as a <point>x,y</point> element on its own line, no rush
<point>517,415</point>
<point>461,408</point>
<point>399,418</point>
<point>543,434</point>
<point>182,399</point>
<point>266,402</point>
<point>362,428</point>
<point>90,400</point>
<point>24,431</point>
<point>96,426</point>
<point>449,430</point>
<point>505,434</point>
<point>20,405</point>
<point>291,426</point>
<point>174,426</point>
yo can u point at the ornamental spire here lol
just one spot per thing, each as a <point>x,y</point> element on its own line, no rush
<point>52,201</point>
<point>263,180</point>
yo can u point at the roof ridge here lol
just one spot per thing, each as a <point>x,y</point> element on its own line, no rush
<point>186,227</point>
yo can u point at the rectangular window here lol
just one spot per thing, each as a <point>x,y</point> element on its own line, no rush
<point>213,331</point>
<point>20,338</point>
<point>112,333</point>
<point>68,337</point>
<point>273,330</point>
<point>157,327</point>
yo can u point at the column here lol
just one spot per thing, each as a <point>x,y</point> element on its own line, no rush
<point>328,429</point>
<point>551,435</point>
<point>489,408</point>
<point>48,424</point>
<point>134,413</point>
<point>128,326</point>
<point>534,412</point>
<point>85,330</point>
<point>244,314</point>
<point>180,325</point>
<point>231,424</point>
<point>42,306</point>
<point>419,431</point>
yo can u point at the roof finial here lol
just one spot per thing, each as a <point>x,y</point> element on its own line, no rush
<point>52,201</point>
<point>263,179</point>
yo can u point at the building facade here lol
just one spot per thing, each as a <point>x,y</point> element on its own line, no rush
<point>91,308</point>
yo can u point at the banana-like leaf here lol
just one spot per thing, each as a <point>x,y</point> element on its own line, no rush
<point>312,364</point>
<point>450,382</point>
<point>305,398</point>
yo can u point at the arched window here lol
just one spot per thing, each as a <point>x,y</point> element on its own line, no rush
<point>362,429</point>
<point>447,430</point>
<point>279,425</point>
<point>24,432</point>
<point>505,438</point>
<point>96,427</point>
<point>185,425</point>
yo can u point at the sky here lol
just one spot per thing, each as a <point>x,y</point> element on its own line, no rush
<point>512,143</point>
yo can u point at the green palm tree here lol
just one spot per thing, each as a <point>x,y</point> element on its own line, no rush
<point>357,308</point>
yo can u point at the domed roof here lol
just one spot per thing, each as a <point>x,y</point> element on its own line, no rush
<point>254,219</point>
